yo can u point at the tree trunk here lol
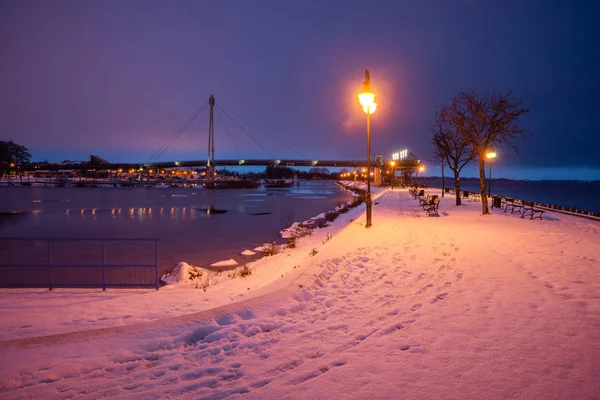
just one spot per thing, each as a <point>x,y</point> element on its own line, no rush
<point>443,184</point>
<point>484,202</point>
<point>457,187</point>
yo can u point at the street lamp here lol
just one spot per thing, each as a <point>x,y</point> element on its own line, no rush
<point>490,156</point>
<point>367,101</point>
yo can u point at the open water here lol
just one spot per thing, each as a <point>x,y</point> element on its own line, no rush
<point>581,195</point>
<point>238,220</point>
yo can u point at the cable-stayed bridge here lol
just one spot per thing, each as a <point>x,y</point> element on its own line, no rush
<point>98,163</point>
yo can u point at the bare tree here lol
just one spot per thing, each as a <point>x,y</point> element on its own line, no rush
<point>487,121</point>
<point>438,157</point>
<point>450,145</point>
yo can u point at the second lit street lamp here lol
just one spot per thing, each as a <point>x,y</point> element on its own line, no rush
<point>367,101</point>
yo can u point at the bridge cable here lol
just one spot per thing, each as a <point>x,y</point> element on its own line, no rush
<point>238,153</point>
<point>177,133</point>
<point>174,137</point>
<point>194,132</point>
<point>271,136</point>
<point>182,129</point>
<point>245,131</point>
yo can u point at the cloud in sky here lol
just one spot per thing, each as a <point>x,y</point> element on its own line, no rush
<point>117,78</point>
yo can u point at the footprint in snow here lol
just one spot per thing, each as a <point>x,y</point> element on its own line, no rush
<point>439,297</point>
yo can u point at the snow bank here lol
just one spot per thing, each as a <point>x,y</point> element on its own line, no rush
<point>179,274</point>
<point>225,263</point>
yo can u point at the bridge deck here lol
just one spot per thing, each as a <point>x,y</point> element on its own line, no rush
<point>222,163</point>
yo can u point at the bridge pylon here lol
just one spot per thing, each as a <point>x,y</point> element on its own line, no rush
<point>210,165</point>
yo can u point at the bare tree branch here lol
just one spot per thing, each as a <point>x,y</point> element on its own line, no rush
<point>450,145</point>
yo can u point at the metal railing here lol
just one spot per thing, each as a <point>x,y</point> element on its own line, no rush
<point>78,262</point>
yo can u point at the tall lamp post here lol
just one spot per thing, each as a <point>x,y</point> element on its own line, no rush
<point>367,101</point>
<point>490,156</point>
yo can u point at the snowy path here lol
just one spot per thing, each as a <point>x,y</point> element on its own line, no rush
<point>414,307</point>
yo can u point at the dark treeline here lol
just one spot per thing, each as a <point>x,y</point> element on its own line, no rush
<point>12,157</point>
<point>276,172</point>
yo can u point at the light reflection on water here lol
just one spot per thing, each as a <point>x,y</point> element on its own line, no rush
<point>187,232</point>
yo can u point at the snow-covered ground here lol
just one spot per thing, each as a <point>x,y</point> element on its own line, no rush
<point>416,307</point>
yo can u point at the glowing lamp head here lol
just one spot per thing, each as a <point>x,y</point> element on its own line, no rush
<point>367,101</point>
<point>367,98</point>
<point>491,154</point>
<point>421,168</point>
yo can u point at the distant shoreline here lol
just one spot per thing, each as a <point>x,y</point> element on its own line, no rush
<point>471,179</point>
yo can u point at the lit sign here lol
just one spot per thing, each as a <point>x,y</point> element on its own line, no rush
<point>400,155</point>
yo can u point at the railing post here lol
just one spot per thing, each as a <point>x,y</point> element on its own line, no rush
<point>156,260</point>
<point>49,264</point>
<point>103,264</point>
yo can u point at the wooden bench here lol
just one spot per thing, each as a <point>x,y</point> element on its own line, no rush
<point>428,201</point>
<point>474,196</point>
<point>417,194</point>
<point>528,209</point>
<point>512,205</point>
<point>432,209</point>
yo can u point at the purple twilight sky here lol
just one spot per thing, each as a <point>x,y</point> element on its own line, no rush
<point>118,78</point>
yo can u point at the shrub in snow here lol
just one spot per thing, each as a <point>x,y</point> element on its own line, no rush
<point>194,273</point>
<point>322,223</point>
<point>356,202</point>
<point>298,229</point>
<point>269,249</point>
<point>241,272</point>
<point>330,216</point>
<point>291,242</point>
